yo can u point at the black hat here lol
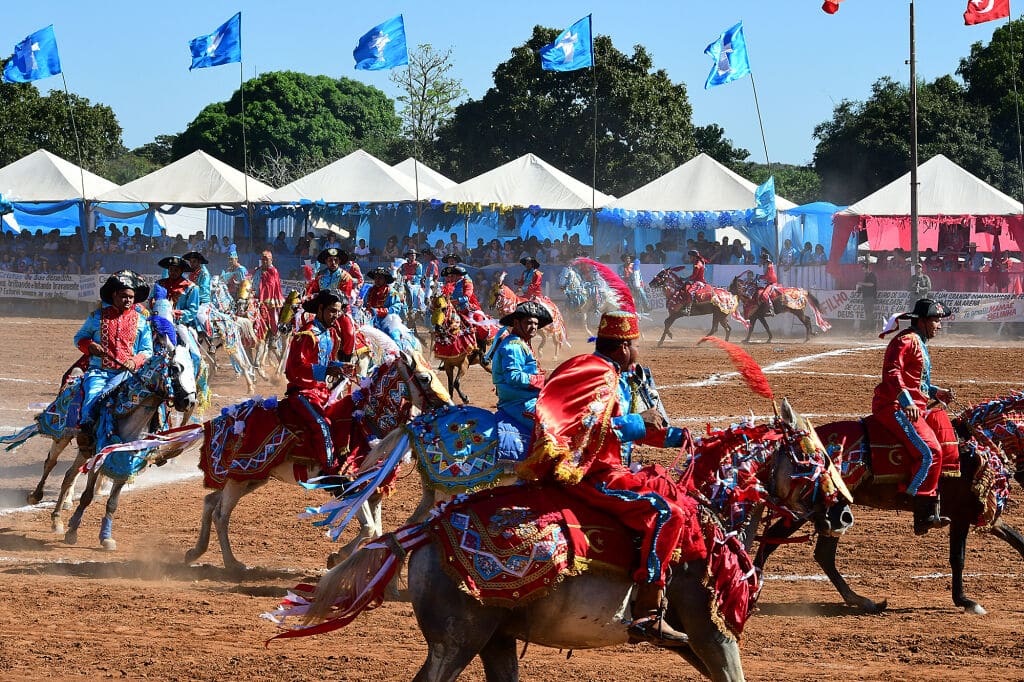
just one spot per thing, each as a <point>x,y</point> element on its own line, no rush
<point>926,307</point>
<point>196,254</point>
<point>528,309</point>
<point>125,279</point>
<point>449,256</point>
<point>381,272</point>
<point>693,252</point>
<point>411,252</point>
<point>453,270</point>
<point>340,254</point>
<point>168,261</point>
<point>322,297</point>
<point>428,253</point>
<point>529,261</point>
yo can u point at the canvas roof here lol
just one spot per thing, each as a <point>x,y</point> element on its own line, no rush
<point>431,182</point>
<point>944,189</point>
<point>358,177</point>
<point>195,180</point>
<point>526,181</point>
<point>42,177</point>
<point>700,184</point>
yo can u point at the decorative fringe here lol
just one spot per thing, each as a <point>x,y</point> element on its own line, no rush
<point>610,284</point>
<point>20,437</point>
<point>745,365</point>
<point>165,445</point>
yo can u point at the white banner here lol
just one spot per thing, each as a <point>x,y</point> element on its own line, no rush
<point>966,306</point>
<point>19,285</point>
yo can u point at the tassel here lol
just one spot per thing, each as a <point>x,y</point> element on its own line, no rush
<point>891,325</point>
<point>610,284</point>
<point>746,366</point>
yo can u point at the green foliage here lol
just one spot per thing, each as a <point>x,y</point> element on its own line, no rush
<point>711,140</point>
<point>159,151</point>
<point>799,184</point>
<point>127,167</point>
<point>427,101</point>
<point>305,121</point>
<point>644,119</point>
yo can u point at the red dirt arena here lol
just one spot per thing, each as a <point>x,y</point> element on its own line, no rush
<point>82,613</point>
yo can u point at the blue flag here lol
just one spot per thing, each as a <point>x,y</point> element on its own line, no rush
<point>730,55</point>
<point>571,49</point>
<point>35,57</point>
<point>764,196</point>
<point>223,46</point>
<point>383,46</point>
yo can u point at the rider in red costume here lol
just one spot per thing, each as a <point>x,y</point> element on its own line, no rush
<point>900,403</point>
<point>770,283</point>
<point>695,283</point>
<point>530,284</point>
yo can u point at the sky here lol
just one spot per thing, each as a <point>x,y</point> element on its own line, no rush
<point>134,57</point>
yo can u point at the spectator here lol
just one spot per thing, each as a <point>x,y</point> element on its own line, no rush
<point>280,245</point>
<point>973,260</point>
<point>391,249</point>
<point>163,242</point>
<point>479,252</point>
<point>493,253</point>
<point>508,252</point>
<point>302,246</point>
<point>702,244</point>
<point>788,255</point>
<point>819,257</point>
<point>868,288</point>
<point>332,242</point>
<point>72,266</point>
<point>807,254</point>
<point>454,245</point>
<point>362,250</point>
<point>920,284</point>
<point>738,255</point>
<point>97,267</point>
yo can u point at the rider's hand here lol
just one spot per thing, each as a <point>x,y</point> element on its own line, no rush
<point>178,313</point>
<point>653,419</point>
<point>945,395</point>
<point>912,412</point>
<point>129,364</point>
<point>335,371</point>
<point>95,348</point>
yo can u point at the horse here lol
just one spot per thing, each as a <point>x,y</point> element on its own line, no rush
<point>259,336</point>
<point>576,610</point>
<point>974,497</point>
<point>720,304</point>
<point>382,402</point>
<point>218,327</point>
<point>454,344</point>
<point>504,301</point>
<point>784,299</point>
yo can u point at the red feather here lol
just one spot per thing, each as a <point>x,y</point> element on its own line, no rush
<point>745,365</point>
<point>623,296</point>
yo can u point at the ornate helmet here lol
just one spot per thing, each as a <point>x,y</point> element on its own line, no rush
<point>528,309</point>
<point>124,279</point>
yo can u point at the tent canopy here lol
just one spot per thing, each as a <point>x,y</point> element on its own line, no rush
<point>195,180</point>
<point>357,178</point>
<point>42,177</point>
<point>700,184</point>
<point>431,182</point>
<point>526,181</point>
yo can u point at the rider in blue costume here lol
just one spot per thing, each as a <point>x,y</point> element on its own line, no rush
<point>235,273</point>
<point>517,377</point>
<point>181,292</point>
<point>199,275</point>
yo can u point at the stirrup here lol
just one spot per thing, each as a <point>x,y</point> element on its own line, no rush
<point>653,629</point>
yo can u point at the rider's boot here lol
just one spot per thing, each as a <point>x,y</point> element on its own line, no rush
<point>926,514</point>
<point>649,619</point>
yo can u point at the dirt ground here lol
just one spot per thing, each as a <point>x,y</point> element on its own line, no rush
<point>82,613</point>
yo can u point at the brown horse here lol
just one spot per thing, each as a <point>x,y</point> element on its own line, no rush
<point>721,304</point>
<point>975,497</point>
<point>504,300</point>
<point>783,300</point>
<point>454,344</point>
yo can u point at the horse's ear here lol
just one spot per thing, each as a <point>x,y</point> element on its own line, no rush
<point>788,414</point>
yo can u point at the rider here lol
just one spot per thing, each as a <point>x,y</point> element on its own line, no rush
<point>266,283</point>
<point>332,276</point>
<point>183,294</point>
<point>199,275</point>
<point>411,273</point>
<point>314,355</point>
<point>530,283</point>
<point>117,338</point>
<point>459,288</point>
<point>581,431</point>
<point>235,272</point>
<point>352,268</point>
<point>431,271</point>
<point>695,283</point>
<point>450,260</point>
<point>517,377</point>
<point>769,281</point>
<point>900,403</point>
<point>381,300</point>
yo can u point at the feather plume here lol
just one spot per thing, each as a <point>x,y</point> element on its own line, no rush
<point>745,365</point>
<point>610,284</point>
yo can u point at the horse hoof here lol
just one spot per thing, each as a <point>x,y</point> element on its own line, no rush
<point>33,498</point>
<point>974,608</point>
<point>71,537</point>
<point>110,544</point>
<point>68,504</point>
<point>191,555</point>
<point>235,567</point>
<point>58,526</point>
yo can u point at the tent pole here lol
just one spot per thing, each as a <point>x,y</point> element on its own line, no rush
<point>914,256</point>
<point>84,211</point>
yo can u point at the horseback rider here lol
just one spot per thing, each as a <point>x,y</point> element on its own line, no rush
<point>381,300</point>
<point>412,273</point>
<point>266,283</point>
<point>582,439</point>
<point>332,275</point>
<point>182,293</point>
<point>314,355</point>
<point>353,269</point>
<point>235,273</point>
<point>695,283</point>
<point>450,260</point>
<point>900,403</point>
<point>529,285</point>
<point>769,283</point>
<point>199,275</point>
<point>459,289</point>
<point>517,377</point>
<point>431,272</point>
<point>117,338</point>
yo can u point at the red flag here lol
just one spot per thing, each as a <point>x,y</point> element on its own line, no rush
<point>831,6</point>
<point>980,11</point>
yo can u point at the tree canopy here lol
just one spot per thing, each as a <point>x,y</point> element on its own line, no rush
<point>643,119</point>
<point>428,99</point>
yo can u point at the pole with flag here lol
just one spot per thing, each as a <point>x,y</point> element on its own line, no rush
<point>224,46</point>
<point>573,49</point>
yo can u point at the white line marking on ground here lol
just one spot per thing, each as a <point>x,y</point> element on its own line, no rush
<point>762,417</point>
<point>28,381</point>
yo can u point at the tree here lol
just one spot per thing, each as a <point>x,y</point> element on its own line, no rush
<point>159,152</point>
<point>306,120</point>
<point>644,119</point>
<point>711,140</point>
<point>428,98</point>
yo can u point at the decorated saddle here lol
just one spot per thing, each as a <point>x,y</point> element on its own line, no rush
<point>456,448</point>
<point>702,292</point>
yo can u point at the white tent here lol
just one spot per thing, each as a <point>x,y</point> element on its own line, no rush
<point>42,177</point>
<point>700,184</point>
<point>526,181</point>
<point>195,180</point>
<point>358,177</point>
<point>430,181</point>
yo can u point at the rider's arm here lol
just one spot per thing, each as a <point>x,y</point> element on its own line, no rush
<point>893,367</point>
<point>143,348</point>
<point>189,306</point>
<point>513,359</point>
<point>87,333</point>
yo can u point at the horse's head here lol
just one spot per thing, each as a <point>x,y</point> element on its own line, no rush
<point>181,370</point>
<point>663,279</point>
<point>641,380</point>
<point>999,421</point>
<point>426,390</point>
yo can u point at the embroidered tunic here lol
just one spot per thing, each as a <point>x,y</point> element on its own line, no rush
<point>201,278</point>
<point>331,279</point>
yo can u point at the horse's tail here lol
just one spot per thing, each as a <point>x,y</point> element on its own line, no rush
<point>819,318</point>
<point>19,437</point>
<point>358,584</point>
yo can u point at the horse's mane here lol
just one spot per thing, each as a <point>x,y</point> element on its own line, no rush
<point>381,344</point>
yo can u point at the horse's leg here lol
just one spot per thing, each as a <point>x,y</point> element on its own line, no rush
<point>71,536</point>
<point>56,448</point>
<point>750,330</point>
<point>958,530</point>
<point>499,659</point>
<point>825,555</point>
<point>668,323</point>
<point>233,491</point>
<point>805,318</point>
<point>67,489</point>
<point>210,504</point>
<point>764,322</point>
<point>107,541</point>
<point>1010,535</point>
<point>367,530</point>
<point>463,366</point>
<point>726,326</point>
<point>719,655</point>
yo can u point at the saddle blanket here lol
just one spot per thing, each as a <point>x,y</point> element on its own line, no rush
<point>244,442</point>
<point>456,448</point>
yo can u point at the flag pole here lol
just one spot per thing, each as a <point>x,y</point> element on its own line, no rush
<point>914,255</point>
<point>245,151</point>
<point>1016,108</point>
<point>764,141</point>
<point>593,169</point>
<point>81,174</point>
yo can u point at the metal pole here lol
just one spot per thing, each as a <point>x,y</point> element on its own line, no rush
<point>245,155</point>
<point>593,174</point>
<point>914,256</point>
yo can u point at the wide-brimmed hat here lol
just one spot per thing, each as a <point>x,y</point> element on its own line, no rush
<point>528,309</point>
<point>453,270</point>
<point>926,307</point>
<point>411,252</point>
<point>340,254</point>
<point>168,261</point>
<point>322,297</point>
<point>619,325</point>
<point>449,256</point>
<point>197,255</point>
<point>529,261</point>
<point>125,279</point>
<point>693,252</point>
<point>381,272</point>
<point>428,253</point>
